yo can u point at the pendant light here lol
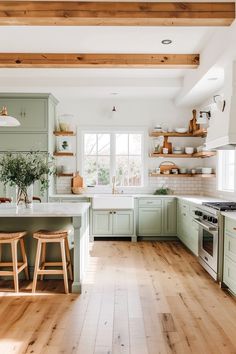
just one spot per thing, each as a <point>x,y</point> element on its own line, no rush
<point>6,120</point>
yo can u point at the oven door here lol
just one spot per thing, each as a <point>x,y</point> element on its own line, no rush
<point>208,244</point>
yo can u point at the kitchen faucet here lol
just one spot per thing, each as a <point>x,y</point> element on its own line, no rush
<point>114,190</point>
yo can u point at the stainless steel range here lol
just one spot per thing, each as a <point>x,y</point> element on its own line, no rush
<point>211,227</point>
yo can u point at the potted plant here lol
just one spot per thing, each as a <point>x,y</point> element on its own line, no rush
<point>22,170</point>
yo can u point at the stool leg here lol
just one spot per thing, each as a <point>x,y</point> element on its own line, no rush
<point>15,266</point>
<point>68,258</point>
<point>64,266</point>
<point>22,246</point>
<point>43,257</point>
<point>36,266</point>
<point>0,252</point>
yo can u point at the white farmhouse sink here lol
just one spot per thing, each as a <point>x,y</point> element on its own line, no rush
<point>112,201</point>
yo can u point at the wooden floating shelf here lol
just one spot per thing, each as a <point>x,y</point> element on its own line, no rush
<point>65,174</point>
<point>201,133</point>
<point>63,154</point>
<point>201,155</point>
<point>182,175</point>
<point>59,133</point>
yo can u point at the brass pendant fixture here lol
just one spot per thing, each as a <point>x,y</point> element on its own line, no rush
<point>6,120</point>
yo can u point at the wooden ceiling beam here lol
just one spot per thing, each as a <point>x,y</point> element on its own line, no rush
<point>79,13</point>
<point>75,60</point>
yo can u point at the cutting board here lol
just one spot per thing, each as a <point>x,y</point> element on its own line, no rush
<point>77,181</point>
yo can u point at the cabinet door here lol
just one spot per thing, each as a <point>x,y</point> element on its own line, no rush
<point>169,217</point>
<point>31,112</point>
<point>230,274</point>
<point>150,221</point>
<point>102,222</point>
<point>123,222</point>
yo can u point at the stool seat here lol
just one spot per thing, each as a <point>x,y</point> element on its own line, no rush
<point>7,235</point>
<point>47,234</point>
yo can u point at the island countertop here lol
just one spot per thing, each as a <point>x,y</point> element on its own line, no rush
<point>44,210</point>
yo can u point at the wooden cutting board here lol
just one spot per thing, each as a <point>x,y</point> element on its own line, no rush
<point>77,181</point>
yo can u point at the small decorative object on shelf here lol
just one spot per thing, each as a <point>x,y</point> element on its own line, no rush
<point>22,170</point>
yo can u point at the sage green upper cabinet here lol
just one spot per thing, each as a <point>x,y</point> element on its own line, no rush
<point>32,113</point>
<point>169,216</point>
<point>23,142</point>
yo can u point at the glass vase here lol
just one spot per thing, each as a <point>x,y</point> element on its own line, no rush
<point>24,196</point>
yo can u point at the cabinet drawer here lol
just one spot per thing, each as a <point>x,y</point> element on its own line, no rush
<point>230,226</point>
<point>150,202</point>
<point>230,274</point>
<point>31,113</point>
<point>230,247</point>
<point>23,142</point>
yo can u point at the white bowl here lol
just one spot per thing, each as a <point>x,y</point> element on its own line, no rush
<point>189,150</point>
<point>206,170</point>
<point>181,130</point>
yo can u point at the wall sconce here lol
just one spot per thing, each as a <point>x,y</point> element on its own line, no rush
<point>6,120</point>
<point>219,102</point>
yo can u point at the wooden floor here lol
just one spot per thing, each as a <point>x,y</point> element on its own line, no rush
<point>139,298</point>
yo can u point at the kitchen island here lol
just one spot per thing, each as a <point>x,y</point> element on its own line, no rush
<point>52,216</point>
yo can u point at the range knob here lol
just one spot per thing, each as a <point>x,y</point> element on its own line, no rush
<point>198,213</point>
<point>214,220</point>
<point>210,218</point>
<point>205,217</point>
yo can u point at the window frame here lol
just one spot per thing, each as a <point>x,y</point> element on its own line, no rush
<point>221,164</point>
<point>112,131</point>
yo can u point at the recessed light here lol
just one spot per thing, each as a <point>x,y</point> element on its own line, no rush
<point>166,41</point>
<point>114,93</point>
<point>212,78</point>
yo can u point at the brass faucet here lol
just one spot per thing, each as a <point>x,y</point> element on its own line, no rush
<point>114,190</point>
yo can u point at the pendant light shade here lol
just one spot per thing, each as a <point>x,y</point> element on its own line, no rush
<point>6,120</point>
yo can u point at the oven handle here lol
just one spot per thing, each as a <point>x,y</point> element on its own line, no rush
<point>208,228</point>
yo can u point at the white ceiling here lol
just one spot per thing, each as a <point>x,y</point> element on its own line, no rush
<point>85,82</point>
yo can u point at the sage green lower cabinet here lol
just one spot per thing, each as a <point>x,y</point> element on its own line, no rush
<point>150,221</point>
<point>123,222</point>
<point>102,222</point>
<point>169,217</point>
<point>113,222</point>
<point>187,229</point>
<point>229,266</point>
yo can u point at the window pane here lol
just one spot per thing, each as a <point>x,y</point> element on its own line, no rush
<point>135,165</point>
<point>135,144</point>
<point>103,144</point>
<point>104,170</point>
<point>121,144</point>
<point>90,147</point>
<point>90,170</point>
<point>226,170</point>
<point>122,171</point>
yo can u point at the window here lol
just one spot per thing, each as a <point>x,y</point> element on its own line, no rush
<point>113,154</point>
<point>226,168</point>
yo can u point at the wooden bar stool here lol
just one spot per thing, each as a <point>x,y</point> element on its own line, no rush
<point>44,237</point>
<point>12,239</point>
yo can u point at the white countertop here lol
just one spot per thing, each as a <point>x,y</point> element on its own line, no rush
<point>229,214</point>
<point>190,198</point>
<point>44,210</point>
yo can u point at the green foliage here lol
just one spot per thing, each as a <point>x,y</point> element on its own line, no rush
<point>162,191</point>
<point>22,170</point>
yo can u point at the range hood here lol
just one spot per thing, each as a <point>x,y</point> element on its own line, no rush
<point>221,133</point>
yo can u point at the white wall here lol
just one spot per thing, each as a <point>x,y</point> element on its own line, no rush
<point>135,113</point>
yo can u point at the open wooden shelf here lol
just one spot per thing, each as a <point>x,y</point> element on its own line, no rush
<point>182,175</point>
<point>201,155</point>
<point>63,154</point>
<point>201,133</point>
<point>67,133</point>
<point>65,174</point>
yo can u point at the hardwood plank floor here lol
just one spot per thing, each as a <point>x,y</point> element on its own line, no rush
<point>138,298</point>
